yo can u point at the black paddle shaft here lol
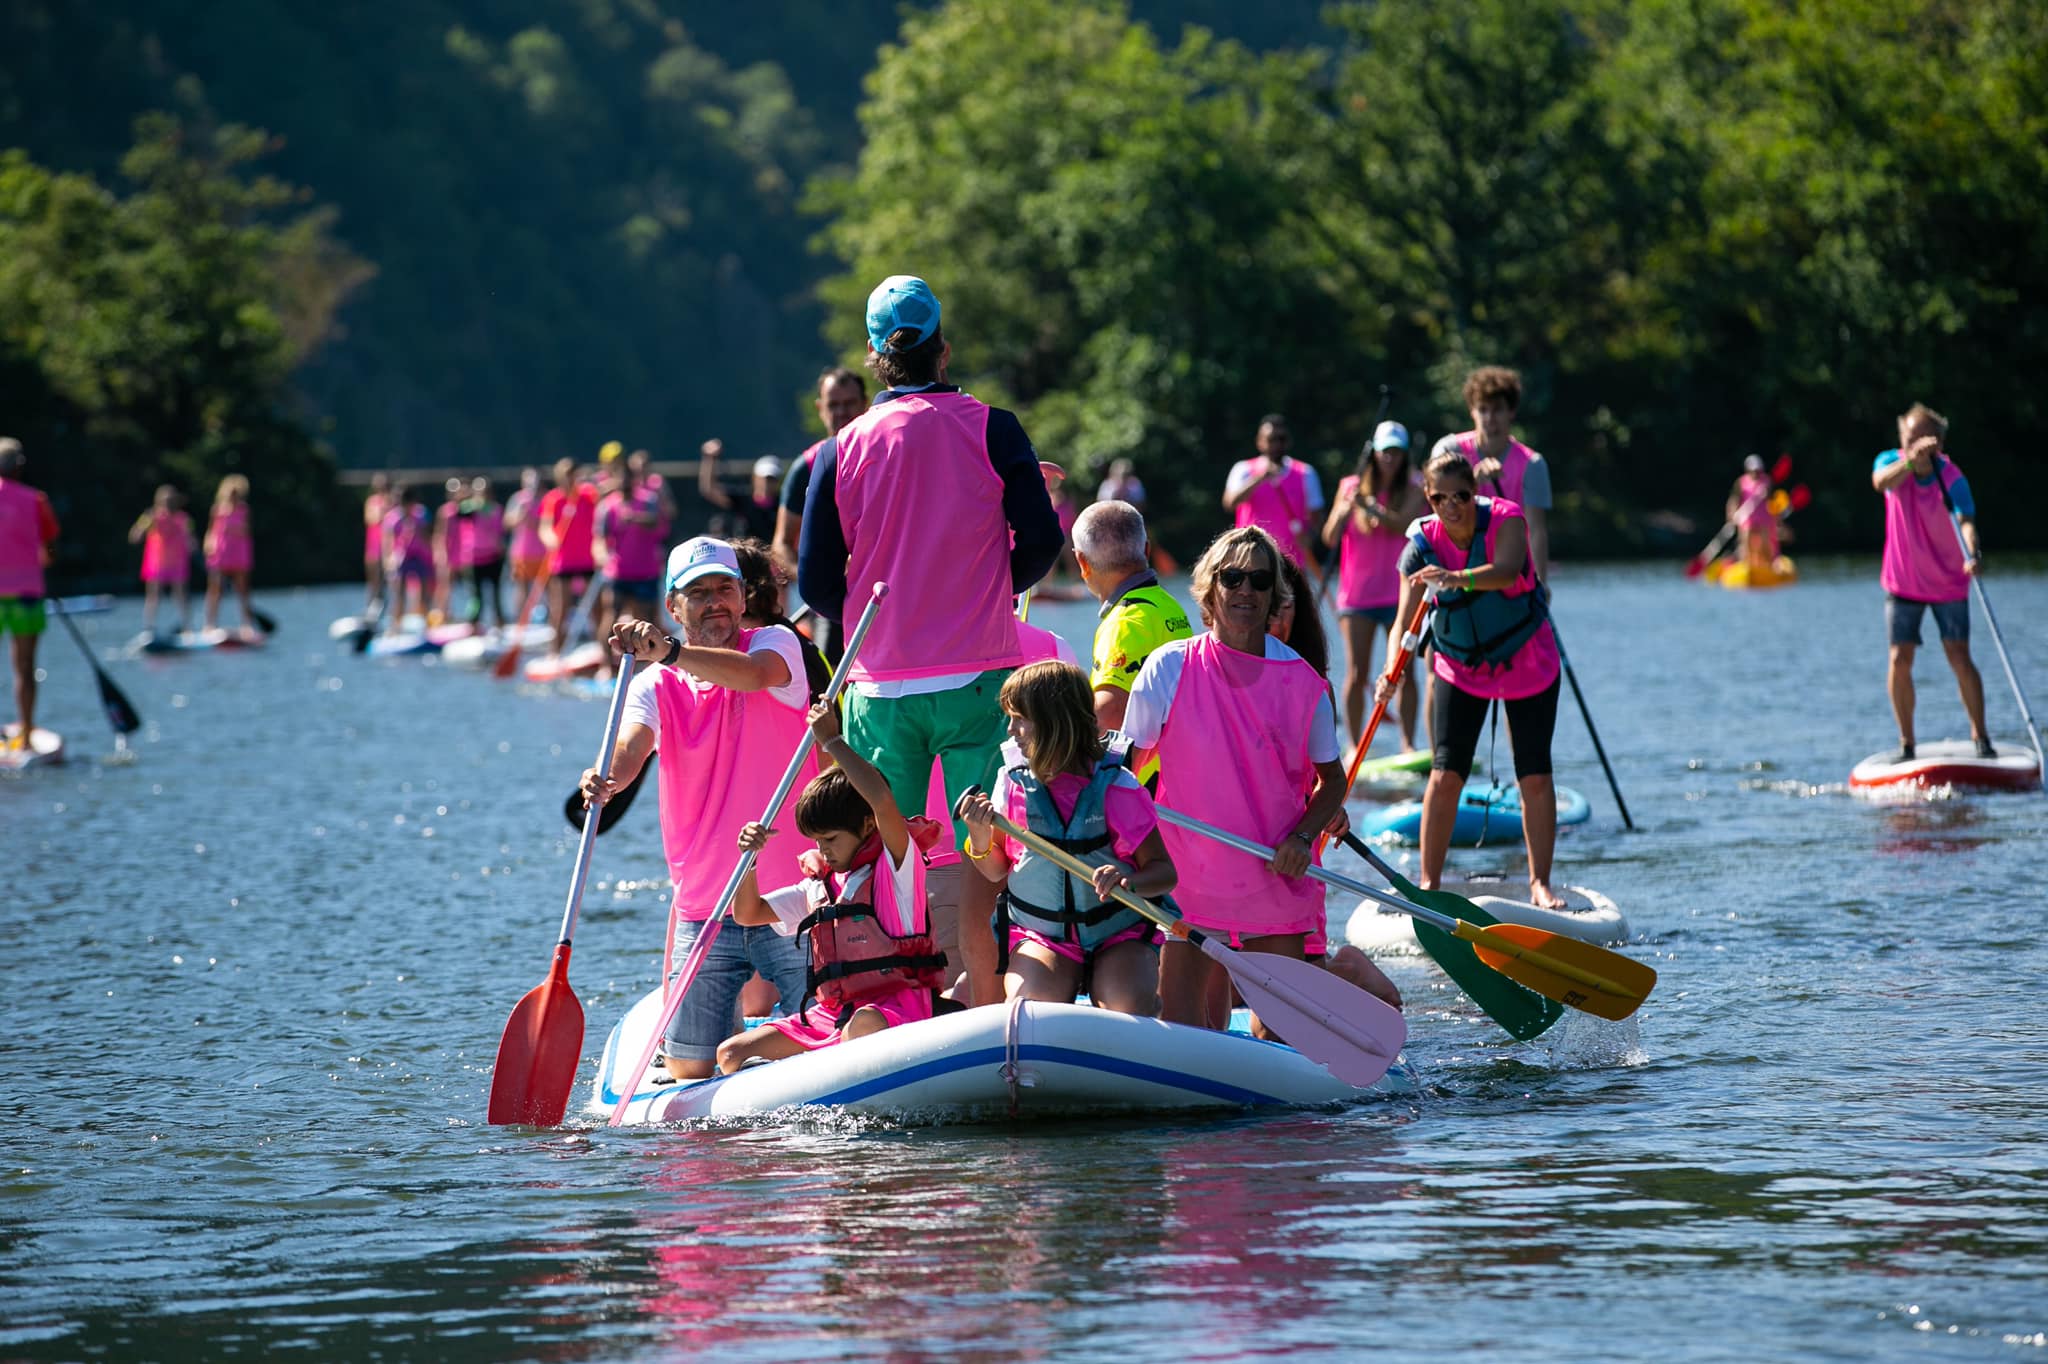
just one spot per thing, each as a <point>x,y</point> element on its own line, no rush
<point>120,711</point>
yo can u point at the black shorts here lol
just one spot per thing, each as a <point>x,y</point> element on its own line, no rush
<point>1456,719</point>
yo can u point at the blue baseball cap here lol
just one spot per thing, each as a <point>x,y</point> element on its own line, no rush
<point>901,301</point>
<point>694,559</point>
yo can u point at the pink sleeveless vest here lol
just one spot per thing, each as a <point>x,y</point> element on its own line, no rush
<point>526,541</point>
<point>1514,464</point>
<point>1279,508</point>
<point>487,534</point>
<point>232,551</point>
<point>721,754</point>
<point>1922,559</point>
<point>461,535</point>
<point>374,508</point>
<point>1368,561</point>
<point>637,549</point>
<point>922,510</point>
<point>1535,664</point>
<point>167,549</point>
<point>1234,752</point>
<point>21,540</point>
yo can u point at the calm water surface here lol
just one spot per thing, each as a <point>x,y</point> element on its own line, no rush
<point>256,979</point>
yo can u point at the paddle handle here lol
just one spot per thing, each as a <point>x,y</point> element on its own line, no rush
<point>674,996</point>
<point>1074,866</point>
<point>613,719</point>
<point>2005,660</point>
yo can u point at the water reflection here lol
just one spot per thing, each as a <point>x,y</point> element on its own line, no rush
<point>1951,825</point>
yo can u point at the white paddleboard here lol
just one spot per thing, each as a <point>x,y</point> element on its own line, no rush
<point>1591,917</point>
<point>45,748</point>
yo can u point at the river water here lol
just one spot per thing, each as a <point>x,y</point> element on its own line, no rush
<point>256,979</point>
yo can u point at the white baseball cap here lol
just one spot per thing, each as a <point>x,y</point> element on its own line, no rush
<point>1390,435</point>
<point>767,467</point>
<point>698,558</point>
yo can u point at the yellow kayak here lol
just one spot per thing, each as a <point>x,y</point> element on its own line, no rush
<point>1782,572</point>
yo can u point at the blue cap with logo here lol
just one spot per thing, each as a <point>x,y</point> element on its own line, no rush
<point>898,302</point>
<point>694,559</point>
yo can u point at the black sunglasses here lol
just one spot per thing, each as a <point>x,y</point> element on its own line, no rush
<point>1261,579</point>
<point>1458,495</point>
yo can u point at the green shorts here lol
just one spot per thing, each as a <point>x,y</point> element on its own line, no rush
<point>22,616</point>
<point>963,729</point>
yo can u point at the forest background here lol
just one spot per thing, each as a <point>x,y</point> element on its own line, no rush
<point>242,235</point>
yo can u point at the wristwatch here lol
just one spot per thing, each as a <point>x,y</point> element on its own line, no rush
<point>675,651</point>
<point>1306,838</point>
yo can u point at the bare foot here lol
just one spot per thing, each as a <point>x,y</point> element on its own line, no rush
<point>1543,897</point>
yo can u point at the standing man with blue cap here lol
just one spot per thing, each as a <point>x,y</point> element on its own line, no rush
<point>940,496</point>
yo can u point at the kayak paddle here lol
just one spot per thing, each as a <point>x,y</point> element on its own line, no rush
<point>120,714</point>
<point>1410,638</point>
<point>705,936</point>
<point>1523,1013</point>
<point>265,622</point>
<point>508,662</point>
<point>575,807</point>
<point>543,1040</point>
<point>1590,979</point>
<point>1353,1035</point>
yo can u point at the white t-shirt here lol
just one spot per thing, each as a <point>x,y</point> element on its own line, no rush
<point>1244,473</point>
<point>1152,697</point>
<point>792,908</point>
<point>769,639</point>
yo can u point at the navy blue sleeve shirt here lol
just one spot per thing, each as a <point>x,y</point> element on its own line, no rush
<point>821,555</point>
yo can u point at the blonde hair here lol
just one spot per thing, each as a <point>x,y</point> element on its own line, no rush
<point>1920,412</point>
<point>229,486</point>
<point>1226,546</point>
<point>1056,699</point>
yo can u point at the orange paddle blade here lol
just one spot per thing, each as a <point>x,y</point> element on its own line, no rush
<point>539,1053</point>
<point>1591,979</point>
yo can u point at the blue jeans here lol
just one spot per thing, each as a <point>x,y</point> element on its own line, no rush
<point>705,1018</point>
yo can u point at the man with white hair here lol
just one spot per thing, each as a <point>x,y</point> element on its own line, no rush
<point>1138,615</point>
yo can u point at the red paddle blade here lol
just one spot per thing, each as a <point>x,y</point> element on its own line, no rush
<point>1695,566</point>
<point>1332,1022</point>
<point>1801,497</point>
<point>539,1053</point>
<point>1782,470</point>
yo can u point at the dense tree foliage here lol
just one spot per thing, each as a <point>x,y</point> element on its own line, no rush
<point>1699,227</point>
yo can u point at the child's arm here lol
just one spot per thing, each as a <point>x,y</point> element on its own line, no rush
<point>977,811</point>
<point>889,821</point>
<point>141,527</point>
<point>1155,875</point>
<point>748,908</point>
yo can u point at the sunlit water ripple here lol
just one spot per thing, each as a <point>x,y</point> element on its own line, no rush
<point>257,977</point>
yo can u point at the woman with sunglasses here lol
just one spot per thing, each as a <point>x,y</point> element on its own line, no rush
<point>1247,739</point>
<point>1493,642</point>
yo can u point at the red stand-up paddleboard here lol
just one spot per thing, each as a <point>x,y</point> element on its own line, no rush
<point>1951,762</point>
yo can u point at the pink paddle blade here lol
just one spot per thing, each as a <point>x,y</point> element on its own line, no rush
<point>1340,1027</point>
<point>540,1052</point>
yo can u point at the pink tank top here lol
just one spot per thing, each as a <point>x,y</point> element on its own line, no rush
<point>1279,507</point>
<point>526,541</point>
<point>21,540</point>
<point>461,536</point>
<point>1514,465</point>
<point>1234,752</point>
<point>922,510</point>
<point>1368,561</point>
<point>487,534</point>
<point>1922,559</point>
<point>375,507</point>
<point>636,549</point>
<point>1534,666</point>
<point>167,549</point>
<point>229,529</point>
<point>721,753</point>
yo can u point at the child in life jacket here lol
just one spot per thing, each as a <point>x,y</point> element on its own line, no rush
<point>1058,934</point>
<point>874,964</point>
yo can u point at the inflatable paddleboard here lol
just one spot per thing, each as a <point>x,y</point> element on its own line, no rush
<point>1395,764</point>
<point>1589,916</point>
<point>578,662</point>
<point>480,651</point>
<point>990,1064</point>
<point>86,606</point>
<point>197,641</point>
<point>1485,814</point>
<point>1736,573</point>
<point>1951,762</point>
<point>45,748</point>
<point>403,643</point>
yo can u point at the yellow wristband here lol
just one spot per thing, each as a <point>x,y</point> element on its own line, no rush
<point>967,846</point>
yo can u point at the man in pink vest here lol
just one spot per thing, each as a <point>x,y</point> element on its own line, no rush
<point>1277,493</point>
<point>722,713</point>
<point>1504,466</point>
<point>27,526</point>
<point>940,496</point>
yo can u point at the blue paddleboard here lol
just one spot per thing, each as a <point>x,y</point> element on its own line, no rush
<point>1485,814</point>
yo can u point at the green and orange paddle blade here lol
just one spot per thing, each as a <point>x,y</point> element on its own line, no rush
<point>1590,979</point>
<point>1524,1014</point>
<point>538,1055</point>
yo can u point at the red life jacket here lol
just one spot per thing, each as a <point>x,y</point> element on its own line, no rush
<point>854,958</point>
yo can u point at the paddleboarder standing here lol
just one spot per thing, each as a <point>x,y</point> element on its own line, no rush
<point>1925,568</point>
<point>1368,528</point>
<point>940,496</point>
<point>1506,467</point>
<point>1276,492</point>
<point>28,526</point>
